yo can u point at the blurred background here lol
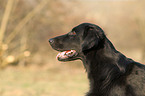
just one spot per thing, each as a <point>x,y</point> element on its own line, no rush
<point>27,62</point>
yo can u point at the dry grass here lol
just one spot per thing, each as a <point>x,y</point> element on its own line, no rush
<point>52,79</point>
<point>58,81</point>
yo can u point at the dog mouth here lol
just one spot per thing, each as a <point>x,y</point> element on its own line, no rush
<point>66,55</point>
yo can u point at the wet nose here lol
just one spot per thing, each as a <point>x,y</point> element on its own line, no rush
<point>51,41</point>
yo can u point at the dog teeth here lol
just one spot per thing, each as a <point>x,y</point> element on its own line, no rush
<point>69,53</point>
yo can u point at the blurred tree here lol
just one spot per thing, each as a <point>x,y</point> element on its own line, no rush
<point>8,54</point>
<point>21,30</point>
<point>3,27</point>
<point>31,22</point>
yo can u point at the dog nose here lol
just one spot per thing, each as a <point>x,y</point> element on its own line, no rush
<point>51,41</point>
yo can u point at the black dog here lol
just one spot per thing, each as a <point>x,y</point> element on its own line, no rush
<point>110,73</point>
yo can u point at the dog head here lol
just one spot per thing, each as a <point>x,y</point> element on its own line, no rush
<point>80,39</point>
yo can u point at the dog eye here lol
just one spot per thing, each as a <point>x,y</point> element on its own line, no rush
<point>72,33</point>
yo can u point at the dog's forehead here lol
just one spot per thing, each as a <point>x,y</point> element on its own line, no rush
<point>81,27</point>
<point>78,28</point>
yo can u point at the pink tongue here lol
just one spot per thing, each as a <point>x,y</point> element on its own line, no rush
<point>67,51</point>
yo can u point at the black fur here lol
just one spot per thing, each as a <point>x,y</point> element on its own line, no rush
<point>110,73</point>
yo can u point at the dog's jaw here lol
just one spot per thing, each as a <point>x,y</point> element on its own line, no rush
<point>63,56</point>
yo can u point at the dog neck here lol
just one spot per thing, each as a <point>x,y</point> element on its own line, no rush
<point>101,65</point>
<point>97,57</point>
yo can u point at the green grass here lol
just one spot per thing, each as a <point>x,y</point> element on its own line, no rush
<point>56,81</point>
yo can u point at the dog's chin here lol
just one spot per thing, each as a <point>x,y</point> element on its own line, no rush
<point>68,55</point>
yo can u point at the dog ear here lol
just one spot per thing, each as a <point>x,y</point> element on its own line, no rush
<point>90,38</point>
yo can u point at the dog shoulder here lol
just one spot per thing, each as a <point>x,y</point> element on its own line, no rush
<point>136,79</point>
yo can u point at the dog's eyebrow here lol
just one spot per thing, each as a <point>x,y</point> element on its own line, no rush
<point>73,29</point>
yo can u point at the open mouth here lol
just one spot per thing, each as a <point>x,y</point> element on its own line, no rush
<point>66,55</point>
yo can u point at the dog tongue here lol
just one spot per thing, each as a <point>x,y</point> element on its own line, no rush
<point>66,54</point>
